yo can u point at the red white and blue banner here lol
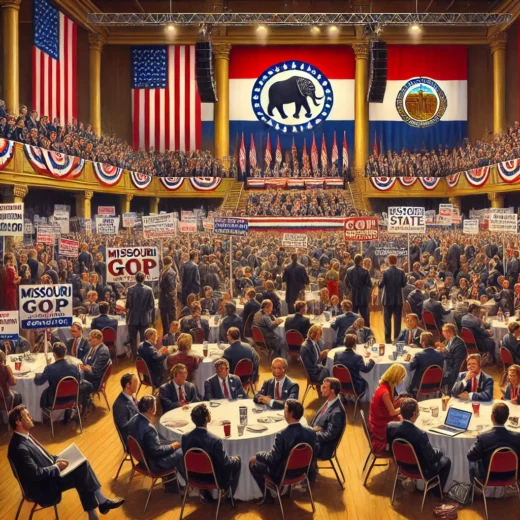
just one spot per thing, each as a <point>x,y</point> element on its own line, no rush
<point>205,183</point>
<point>453,180</point>
<point>260,183</point>
<point>35,157</point>
<point>383,183</point>
<point>6,152</point>
<point>426,101</point>
<point>62,166</point>
<point>140,180</point>
<point>407,181</point>
<point>509,171</point>
<point>429,183</point>
<point>478,176</point>
<point>106,174</point>
<point>172,183</point>
<point>295,224</point>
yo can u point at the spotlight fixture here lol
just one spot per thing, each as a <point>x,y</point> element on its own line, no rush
<point>261,29</point>
<point>415,28</point>
<point>333,30</point>
<point>171,28</point>
<point>315,30</point>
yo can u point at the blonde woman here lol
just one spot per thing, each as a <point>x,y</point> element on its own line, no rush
<point>512,390</point>
<point>384,408</point>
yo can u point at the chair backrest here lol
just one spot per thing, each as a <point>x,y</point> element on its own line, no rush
<point>67,392</point>
<point>503,468</point>
<point>247,326</point>
<point>15,473</point>
<point>125,448</point>
<point>429,321</point>
<point>197,461</point>
<point>136,453</point>
<point>365,429</point>
<point>258,336</point>
<point>109,335</point>
<point>406,459</point>
<point>3,403</point>
<point>407,308</point>
<point>298,463</point>
<point>244,368</point>
<point>342,373</point>
<point>198,335</point>
<point>294,339</point>
<point>143,372</point>
<point>305,371</point>
<point>506,357</point>
<point>467,336</point>
<point>431,380</point>
<point>106,375</point>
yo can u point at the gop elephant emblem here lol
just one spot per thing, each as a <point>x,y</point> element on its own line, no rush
<point>292,97</point>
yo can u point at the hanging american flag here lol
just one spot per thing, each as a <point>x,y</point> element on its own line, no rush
<point>268,153</point>
<point>345,164</point>
<point>242,156</point>
<point>252,154</point>
<point>314,155</point>
<point>294,153</point>
<point>376,149</point>
<point>54,86</point>
<point>324,156</point>
<point>166,108</point>
<point>278,156</point>
<point>334,156</point>
<point>305,155</point>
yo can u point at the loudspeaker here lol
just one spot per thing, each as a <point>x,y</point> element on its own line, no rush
<point>378,69</point>
<point>204,70</point>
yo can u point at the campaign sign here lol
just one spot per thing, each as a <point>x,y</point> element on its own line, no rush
<point>295,240</point>
<point>9,325</point>
<point>207,224</point>
<point>188,227</point>
<point>45,306</point>
<point>470,226</point>
<point>62,218</point>
<point>445,214</point>
<point>129,219</point>
<point>68,247</point>
<point>503,222</point>
<point>230,226</point>
<point>11,220</point>
<point>106,211</point>
<point>108,226</point>
<point>123,263</point>
<point>406,220</point>
<point>159,226</point>
<point>46,235</point>
<point>29,228</point>
<point>361,229</point>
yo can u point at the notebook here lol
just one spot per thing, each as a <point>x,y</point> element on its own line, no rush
<point>456,422</point>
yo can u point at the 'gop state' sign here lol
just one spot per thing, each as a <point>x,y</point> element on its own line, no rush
<point>123,263</point>
<point>45,306</point>
<point>361,229</point>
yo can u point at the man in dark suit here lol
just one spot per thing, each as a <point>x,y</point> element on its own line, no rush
<point>139,306</point>
<point>362,333</point>
<point>167,293</point>
<point>103,320</point>
<point>194,321</point>
<point>423,360</point>
<point>453,258</point>
<point>267,324</point>
<point>223,385</point>
<point>39,471</point>
<point>416,298</point>
<point>295,278</point>
<point>153,358</point>
<point>77,345</point>
<point>412,334</point>
<point>358,278</point>
<point>455,353</point>
<point>177,392</point>
<point>298,321</point>
<point>251,307</point>
<point>474,384</point>
<point>479,455</point>
<point>392,284</point>
<point>273,462</point>
<point>279,388</point>
<point>511,341</point>
<point>125,405</point>
<point>238,350</point>
<point>415,251</point>
<point>432,460</point>
<point>433,305</point>
<point>344,322</point>
<point>96,360</point>
<point>190,277</point>
<point>313,355</point>
<point>481,331</point>
<point>232,319</point>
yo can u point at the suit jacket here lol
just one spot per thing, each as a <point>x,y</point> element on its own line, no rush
<point>298,322</point>
<point>290,390</point>
<point>153,360</point>
<point>295,278</point>
<point>139,304</point>
<point>83,347</point>
<point>393,282</point>
<point>250,307</point>
<point>102,321</point>
<point>230,321</point>
<point>237,351</point>
<point>284,442</point>
<point>405,336</point>
<point>469,321</point>
<point>359,280</point>
<point>453,258</point>
<point>190,279</point>
<point>342,324</point>
<point>267,326</point>
<point>123,410</point>
<point>513,345</point>
<point>98,361</point>
<point>213,390</point>
<point>416,300</point>
<point>484,388</point>
<point>53,374</point>
<point>170,399</point>
<point>354,362</point>
<point>438,311</point>
<point>363,334</point>
<point>421,361</point>
<point>309,355</point>
<point>454,354</point>
<point>167,288</point>
<point>428,456</point>
<point>332,422</point>
<point>187,323</point>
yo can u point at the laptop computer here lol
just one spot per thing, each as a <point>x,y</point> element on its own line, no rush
<point>456,422</point>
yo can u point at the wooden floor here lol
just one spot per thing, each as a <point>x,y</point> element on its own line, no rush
<point>100,444</point>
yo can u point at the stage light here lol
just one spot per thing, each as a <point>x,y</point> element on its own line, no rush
<point>415,28</point>
<point>261,30</point>
<point>333,30</point>
<point>171,28</point>
<point>315,30</point>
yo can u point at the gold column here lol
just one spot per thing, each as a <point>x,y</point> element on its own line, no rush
<point>456,201</point>
<point>361,137</point>
<point>83,205</point>
<point>19,193</point>
<point>96,42</point>
<point>221,56</point>
<point>496,199</point>
<point>154,205</point>
<point>10,54</point>
<point>124,203</point>
<point>497,44</point>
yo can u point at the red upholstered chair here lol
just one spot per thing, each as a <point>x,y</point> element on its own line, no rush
<point>103,384</point>
<point>502,472</point>
<point>247,326</point>
<point>66,398</point>
<point>258,338</point>
<point>298,463</point>
<point>126,457</point>
<point>198,335</point>
<point>109,339</point>
<point>431,381</point>
<point>294,341</point>
<point>408,466</point>
<point>140,466</point>
<point>431,325</point>
<point>507,361</point>
<point>469,340</point>
<point>342,373</point>
<point>244,370</point>
<point>197,462</point>
<point>310,383</point>
<point>143,373</point>
<point>6,405</point>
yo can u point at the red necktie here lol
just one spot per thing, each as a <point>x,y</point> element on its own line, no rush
<point>410,338</point>
<point>277,391</point>
<point>514,393</point>
<point>474,384</point>
<point>181,395</point>
<point>75,347</point>
<point>323,410</point>
<point>226,391</point>
<point>135,401</point>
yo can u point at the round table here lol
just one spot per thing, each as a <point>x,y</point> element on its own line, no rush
<point>329,334</point>
<point>499,329</point>
<point>456,448</point>
<point>382,363</point>
<point>30,392</point>
<point>245,447</point>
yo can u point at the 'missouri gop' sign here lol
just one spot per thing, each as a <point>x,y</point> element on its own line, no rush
<point>406,220</point>
<point>45,306</point>
<point>123,263</point>
<point>361,229</point>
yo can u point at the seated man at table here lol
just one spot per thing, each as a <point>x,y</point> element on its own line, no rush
<point>416,298</point>
<point>96,360</point>
<point>208,303</point>
<point>362,333</point>
<point>474,384</point>
<point>298,321</point>
<point>177,392</point>
<point>194,321</point>
<point>481,331</point>
<point>238,350</point>
<point>454,352</point>
<point>232,319</point>
<point>173,335</point>
<point>152,357</point>
<point>125,405</point>
<point>412,334</point>
<point>264,320</point>
<point>77,345</point>
<point>273,462</point>
<point>279,388</point>
<point>91,303</point>
<point>313,355</point>
<point>344,322</point>
<point>511,341</point>
<point>270,294</point>
<point>432,460</point>
<point>251,307</point>
<point>354,362</point>
<point>39,471</point>
<point>479,455</point>
<point>103,320</point>
<point>223,385</point>
<point>433,305</point>
<point>19,346</point>
<point>429,356</point>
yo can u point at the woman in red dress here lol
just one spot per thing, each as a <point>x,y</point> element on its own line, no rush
<point>384,408</point>
<point>11,282</point>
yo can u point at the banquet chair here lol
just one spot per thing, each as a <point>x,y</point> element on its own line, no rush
<point>310,384</point>
<point>248,334</point>
<point>294,341</point>
<point>507,360</point>
<point>109,339</point>
<point>5,407</point>
<point>342,373</point>
<point>408,466</point>
<point>298,463</point>
<point>198,462</point>
<point>431,381</point>
<point>384,455</point>
<point>67,392</point>
<point>333,458</point>
<point>502,472</point>
<point>431,325</point>
<point>140,466</point>
<point>469,340</point>
<point>103,384</point>
<point>244,370</point>
<point>25,498</point>
<point>127,457</point>
<point>143,373</point>
<point>198,335</point>
<point>258,338</point>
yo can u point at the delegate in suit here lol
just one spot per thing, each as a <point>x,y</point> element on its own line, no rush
<point>433,305</point>
<point>313,355</point>
<point>177,392</point>
<point>104,320</point>
<point>238,350</point>
<point>279,388</point>
<point>454,352</point>
<point>358,279</point>
<point>96,360</point>
<point>125,405</point>
<point>152,357</point>
<point>412,334</point>
<point>223,385</point>
<point>474,384</point>
<point>77,345</point>
<point>295,278</point>
<point>190,277</point>
<point>423,360</point>
<point>344,322</point>
<point>298,321</point>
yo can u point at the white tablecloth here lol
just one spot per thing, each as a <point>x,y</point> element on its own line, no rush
<point>30,392</point>
<point>245,447</point>
<point>456,448</point>
<point>329,334</point>
<point>382,364</point>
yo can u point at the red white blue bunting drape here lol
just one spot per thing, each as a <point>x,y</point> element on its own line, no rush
<point>509,171</point>
<point>172,183</point>
<point>140,180</point>
<point>205,183</point>
<point>6,152</point>
<point>106,174</point>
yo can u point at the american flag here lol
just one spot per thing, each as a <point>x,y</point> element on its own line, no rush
<point>314,154</point>
<point>242,156</point>
<point>166,105</point>
<point>305,155</point>
<point>345,164</point>
<point>294,152</point>
<point>268,153</point>
<point>252,154</point>
<point>54,85</point>
<point>376,149</point>
<point>324,156</point>
<point>278,152</point>
<point>334,155</point>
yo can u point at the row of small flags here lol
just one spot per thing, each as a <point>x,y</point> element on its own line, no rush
<point>268,156</point>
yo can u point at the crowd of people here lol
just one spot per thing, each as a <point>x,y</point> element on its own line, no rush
<point>443,161</point>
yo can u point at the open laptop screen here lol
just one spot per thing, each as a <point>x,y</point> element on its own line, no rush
<point>457,418</point>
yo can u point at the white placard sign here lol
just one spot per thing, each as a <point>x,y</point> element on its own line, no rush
<point>62,218</point>
<point>470,226</point>
<point>45,306</point>
<point>188,227</point>
<point>406,220</point>
<point>9,325</point>
<point>445,214</point>
<point>106,211</point>
<point>159,226</point>
<point>68,247</point>
<point>295,240</point>
<point>129,219</point>
<point>123,263</point>
<point>108,226</point>
<point>11,220</point>
<point>503,222</point>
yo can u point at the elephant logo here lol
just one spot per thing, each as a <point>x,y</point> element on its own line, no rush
<point>292,97</point>
<point>421,102</point>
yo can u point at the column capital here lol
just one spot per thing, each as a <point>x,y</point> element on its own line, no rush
<point>494,196</point>
<point>129,197</point>
<point>88,194</point>
<point>20,190</point>
<point>361,50</point>
<point>96,41</point>
<point>498,41</point>
<point>13,4</point>
<point>221,51</point>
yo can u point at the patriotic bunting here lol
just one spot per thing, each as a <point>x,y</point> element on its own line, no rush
<point>62,166</point>
<point>106,174</point>
<point>478,176</point>
<point>509,171</point>
<point>407,181</point>
<point>453,180</point>
<point>6,152</point>
<point>429,183</point>
<point>172,183</point>
<point>383,183</point>
<point>35,157</point>
<point>140,180</point>
<point>205,183</point>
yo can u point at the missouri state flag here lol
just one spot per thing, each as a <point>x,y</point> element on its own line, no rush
<point>426,102</point>
<point>290,92</point>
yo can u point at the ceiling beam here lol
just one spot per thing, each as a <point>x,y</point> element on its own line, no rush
<point>506,6</point>
<point>78,10</point>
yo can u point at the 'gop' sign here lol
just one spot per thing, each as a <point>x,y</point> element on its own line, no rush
<point>123,263</point>
<point>361,229</point>
<point>9,325</point>
<point>45,306</point>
